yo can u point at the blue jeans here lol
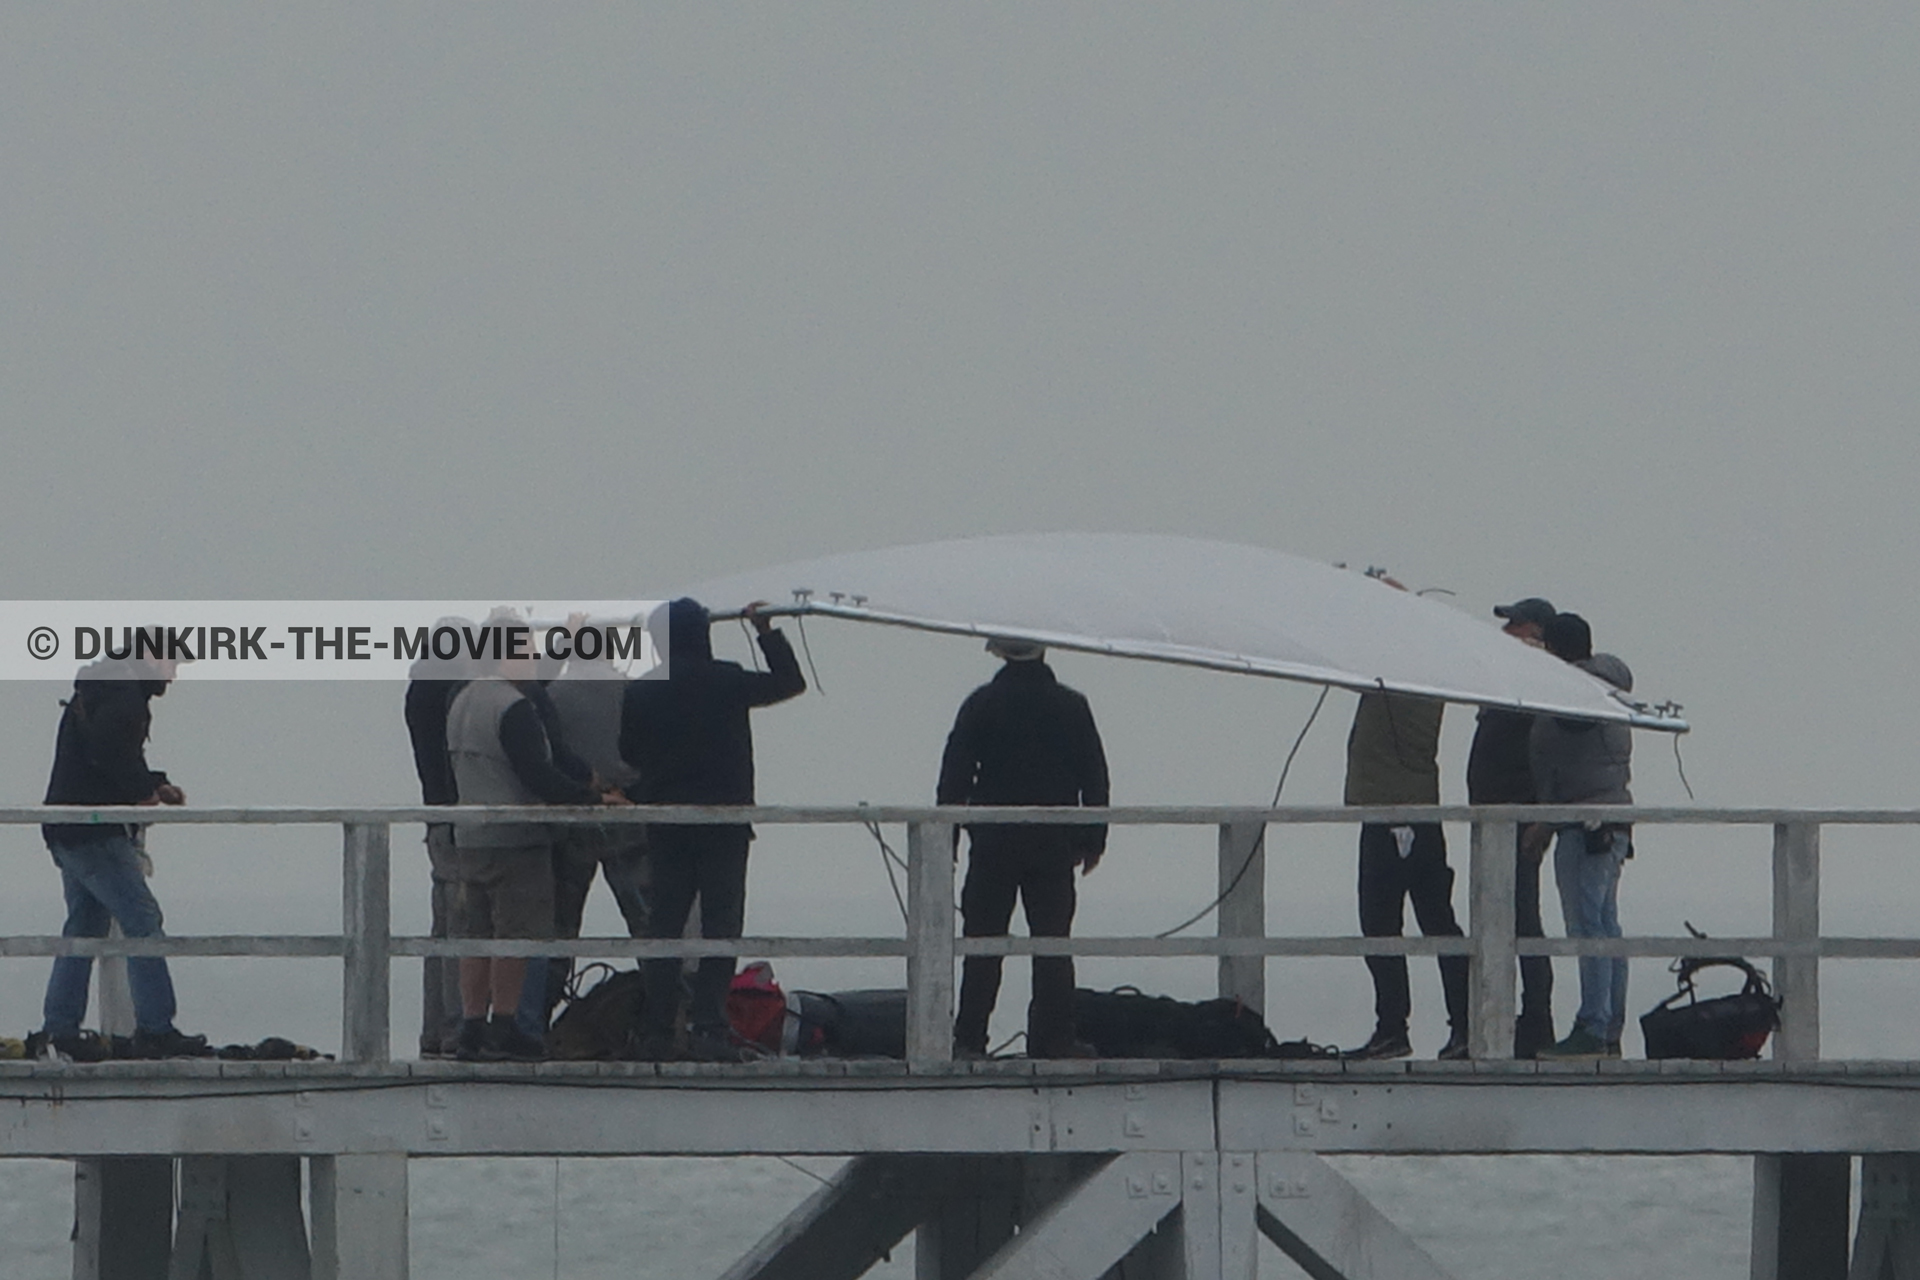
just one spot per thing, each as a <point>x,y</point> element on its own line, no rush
<point>104,882</point>
<point>1589,884</point>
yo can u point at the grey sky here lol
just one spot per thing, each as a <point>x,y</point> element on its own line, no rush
<point>1614,304</point>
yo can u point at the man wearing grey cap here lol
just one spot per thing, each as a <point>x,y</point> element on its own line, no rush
<point>1500,772</point>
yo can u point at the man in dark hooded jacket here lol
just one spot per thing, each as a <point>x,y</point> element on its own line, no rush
<point>99,758</point>
<point>689,740</point>
<point>1023,738</point>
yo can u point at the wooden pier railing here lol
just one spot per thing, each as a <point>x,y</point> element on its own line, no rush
<point>368,946</point>
<point>1243,947</point>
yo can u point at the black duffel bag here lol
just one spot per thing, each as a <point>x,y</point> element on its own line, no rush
<point>1126,1023</point>
<point>1724,1027</point>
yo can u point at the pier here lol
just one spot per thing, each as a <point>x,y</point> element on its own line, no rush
<point>1003,1169</point>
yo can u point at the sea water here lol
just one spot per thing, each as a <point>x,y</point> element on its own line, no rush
<point>1504,1217</point>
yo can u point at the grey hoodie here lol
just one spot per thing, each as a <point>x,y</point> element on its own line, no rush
<point>1584,761</point>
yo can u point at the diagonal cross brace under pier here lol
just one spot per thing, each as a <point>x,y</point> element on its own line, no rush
<point>1322,1222</point>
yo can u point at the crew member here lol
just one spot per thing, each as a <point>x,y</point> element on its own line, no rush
<point>502,755</point>
<point>431,685</point>
<point>1587,762</point>
<point>99,758</point>
<point>1023,738</point>
<point>690,740</point>
<point>1499,772</point>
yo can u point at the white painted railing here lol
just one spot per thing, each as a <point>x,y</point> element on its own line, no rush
<point>367,944</point>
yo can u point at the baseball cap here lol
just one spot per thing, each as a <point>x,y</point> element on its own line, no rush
<point>1533,609</point>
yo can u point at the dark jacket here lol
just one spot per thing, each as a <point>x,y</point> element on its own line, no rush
<point>1025,738</point>
<point>100,753</point>
<point>426,709</point>
<point>688,737</point>
<point>1498,768</point>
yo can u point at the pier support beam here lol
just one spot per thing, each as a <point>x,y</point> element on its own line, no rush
<point>1888,1244</point>
<point>1800,1217</point>
<point>359,1217</point>
<point>1331,1231</point>
<point>122,1218</point>
<point>240,1219</point>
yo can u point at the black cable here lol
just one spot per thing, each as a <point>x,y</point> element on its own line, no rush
<point>1681,765</point>
<point>800,625</point>
<point>1260,841</point>
<point>887,858</point>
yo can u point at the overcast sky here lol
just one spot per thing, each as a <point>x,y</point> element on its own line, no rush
<point>1614,304</point>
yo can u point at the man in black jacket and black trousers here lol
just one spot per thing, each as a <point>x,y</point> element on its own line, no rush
<point>1023,738</point>
<point>100,758</point>
<point>431,686</point>
<point>1499,772</point>
<point>689,739</point>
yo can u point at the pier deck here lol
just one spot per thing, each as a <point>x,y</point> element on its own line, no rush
<point>428,1109</point>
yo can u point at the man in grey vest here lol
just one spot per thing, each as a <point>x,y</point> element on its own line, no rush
<point>501,754</point>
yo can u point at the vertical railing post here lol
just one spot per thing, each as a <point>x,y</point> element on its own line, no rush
<point>1796,916</point>
<point>1490,968</point>
<point>930,948</point>
<point>1243,910</point>
<point>365,927</point>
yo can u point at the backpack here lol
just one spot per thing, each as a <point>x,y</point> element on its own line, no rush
<point>762,1015</point>
<point>602,1022</point>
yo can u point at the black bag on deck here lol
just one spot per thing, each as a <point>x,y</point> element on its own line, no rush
<point>603,1022</point>
<point>855,1024</point>
<point>1126,1023</point>
<point>1725,1027</point>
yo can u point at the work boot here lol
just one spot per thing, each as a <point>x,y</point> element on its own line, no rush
<point>77,1046</point>
<point>1579,1045</point>
<point>506,1042</point>
<point>1384,1044</point>
<point>1455,1049</point>
<point>171,1043</point>
<point>1532,1033</point>
<point>472,1044</point>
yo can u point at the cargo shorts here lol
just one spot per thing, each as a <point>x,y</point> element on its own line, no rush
<point>504,892</point>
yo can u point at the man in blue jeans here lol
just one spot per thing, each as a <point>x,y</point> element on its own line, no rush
<point>1581,762</point>
<point>99,758</point>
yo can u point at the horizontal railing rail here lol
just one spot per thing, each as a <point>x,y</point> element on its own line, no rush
<point>895,815</point>
<point>367,946</point>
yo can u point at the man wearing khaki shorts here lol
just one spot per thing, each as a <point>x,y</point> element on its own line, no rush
<point>503,873</point>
